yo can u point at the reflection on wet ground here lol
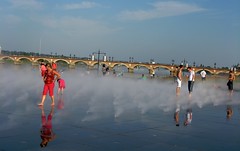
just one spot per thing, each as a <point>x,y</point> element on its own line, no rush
<point>90,116</point>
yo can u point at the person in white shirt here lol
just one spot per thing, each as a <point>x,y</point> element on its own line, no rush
<point>203,74</point>
<point>188,117</point>
<point>191,79</point>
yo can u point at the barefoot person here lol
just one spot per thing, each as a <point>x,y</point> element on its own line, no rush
<point>191,79</point>
<point>49,79</point>
<point>231,78</point>
<point>179,79</point>
<point>61,85</point>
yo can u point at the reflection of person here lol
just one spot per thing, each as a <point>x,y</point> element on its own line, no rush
<point>191,78</point>
<point>188,117</point>
<point>46,131</point>
<point>231,78</point>
<point>203,74</point>
<point>49,79</point>
<point>61,85</point>
<point>179,79</point>
<point>229,111</point>
<point>176,116</point>
<point>60,103</point>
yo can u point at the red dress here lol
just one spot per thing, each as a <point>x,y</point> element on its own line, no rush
<point>49,83</point>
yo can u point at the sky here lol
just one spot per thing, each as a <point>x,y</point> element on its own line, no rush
<point>200,31</point>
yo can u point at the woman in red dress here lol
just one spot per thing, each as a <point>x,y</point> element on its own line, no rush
<point>49,80</point>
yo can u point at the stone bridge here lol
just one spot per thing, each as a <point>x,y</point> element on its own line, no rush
<point>35,60</point>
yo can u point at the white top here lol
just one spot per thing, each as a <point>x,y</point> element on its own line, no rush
<point>203,73</point>
<point>191,75</point>
<point>189,117</point>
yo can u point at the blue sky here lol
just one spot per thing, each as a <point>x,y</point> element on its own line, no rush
<point>201,31</point>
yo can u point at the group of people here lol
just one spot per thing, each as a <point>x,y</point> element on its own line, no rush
<point>179,78</point>
<point>188,116</point>
<point>191,78</point>
<point>49,75</point>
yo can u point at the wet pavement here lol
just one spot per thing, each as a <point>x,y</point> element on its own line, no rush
<point>86,118</point>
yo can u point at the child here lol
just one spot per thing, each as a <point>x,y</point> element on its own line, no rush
<point>61,85</point>
<point>43,68</point>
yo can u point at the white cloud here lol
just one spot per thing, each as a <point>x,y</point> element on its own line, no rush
<point>82,5</point>
<point>26,4</point>
<point>161,9</point>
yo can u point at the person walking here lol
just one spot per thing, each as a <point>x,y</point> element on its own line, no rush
<point>203,74</point>
<point>49,79</point>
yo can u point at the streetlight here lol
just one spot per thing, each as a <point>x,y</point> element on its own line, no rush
<point>99,53</point>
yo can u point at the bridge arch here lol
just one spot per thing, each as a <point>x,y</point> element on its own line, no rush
<point>81,62</point>
<point>163,67</point>
<point>162,70</point>
<point>119,64</point>
<point>42,59</point>
<point>61,60</point>
<point>22,58</point>
<point>141,69</point>
<point>7,57</point>
<point>207,71</point>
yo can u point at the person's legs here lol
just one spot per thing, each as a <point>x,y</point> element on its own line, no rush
<point>230,88</point>
<point>189,86</point>
<point>179,83</point>
<point>178,91</point>
<point>51,91</point>
<point>59,90</point>
<point>44,94</point>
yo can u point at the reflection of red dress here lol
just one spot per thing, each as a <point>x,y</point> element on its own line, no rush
<point>49,83</point>
<point>60,104</point>
<point>46,130</point>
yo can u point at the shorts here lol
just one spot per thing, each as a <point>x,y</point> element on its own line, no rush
<point>48,87</point>
<point>179,83</point>
<point>230,85</point>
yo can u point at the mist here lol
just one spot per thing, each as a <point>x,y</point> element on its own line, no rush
<point>94,97</point>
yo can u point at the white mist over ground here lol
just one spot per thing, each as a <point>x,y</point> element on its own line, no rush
<point>96,97</point>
